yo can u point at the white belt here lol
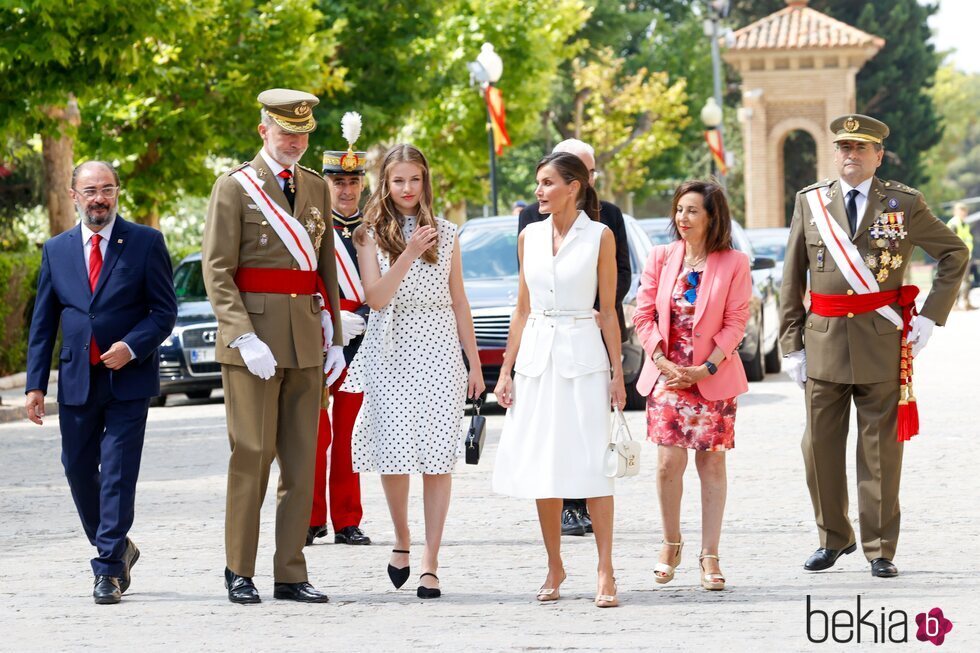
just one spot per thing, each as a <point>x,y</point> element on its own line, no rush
<point>388,317</point>
<point>557,312</point>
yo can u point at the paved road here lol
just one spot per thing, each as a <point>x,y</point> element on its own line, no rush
<point>493,561</point>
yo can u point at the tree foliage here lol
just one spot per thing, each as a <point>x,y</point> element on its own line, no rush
<point>629,118</point>
<point>953,164</point>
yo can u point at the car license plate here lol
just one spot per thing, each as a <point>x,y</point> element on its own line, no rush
<point>204,355</point>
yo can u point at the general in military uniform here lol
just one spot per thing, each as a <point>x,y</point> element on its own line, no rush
<point>344,172</point>
<point>853,238</point>
<point>269,268</point>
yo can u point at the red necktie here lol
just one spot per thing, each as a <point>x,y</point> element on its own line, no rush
<point>94,269</point>
<point>288,188</point>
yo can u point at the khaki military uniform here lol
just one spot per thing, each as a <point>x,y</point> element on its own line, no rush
<point>857,357</point>
<point>274,419</point>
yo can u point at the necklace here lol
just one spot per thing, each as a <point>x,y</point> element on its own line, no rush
<point>347,222</point>
<point>694,262</point>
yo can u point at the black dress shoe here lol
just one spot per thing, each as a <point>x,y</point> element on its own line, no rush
<point>130,557</point>
<point>825,558</point>
<point>428,592</point>
<point>301,592</point>
<point>351,535</point>
<point>570,522</point>
<point>106,590</point>
<point>883,568</point>
<point>315,532</point>
<point>398,575</point>
<point>240,588</point>
<point>585,519</point>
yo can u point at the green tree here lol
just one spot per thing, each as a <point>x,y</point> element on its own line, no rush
<point>51,55</point>
<point>628,118</point>
<point>953,164</point>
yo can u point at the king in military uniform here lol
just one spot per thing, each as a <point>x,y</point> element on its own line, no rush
<point>344,172</point>
<point>852,239</point>
<point>268,260</point>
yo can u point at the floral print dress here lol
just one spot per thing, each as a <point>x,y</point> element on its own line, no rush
<point>683,418</point>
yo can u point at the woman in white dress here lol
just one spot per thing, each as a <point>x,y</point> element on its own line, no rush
<point>557,424</point>
<point>410,364</point>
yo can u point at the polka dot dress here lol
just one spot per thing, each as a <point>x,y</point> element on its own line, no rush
<point>410,368</point>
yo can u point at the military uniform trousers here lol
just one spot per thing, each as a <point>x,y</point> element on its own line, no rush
<point>270,420</point>
<point>333,449</point>
<point>879,463</point>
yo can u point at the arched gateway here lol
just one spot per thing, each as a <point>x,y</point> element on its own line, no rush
<point>798,69</point>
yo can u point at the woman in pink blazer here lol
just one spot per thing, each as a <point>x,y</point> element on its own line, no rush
<point>690,316</point>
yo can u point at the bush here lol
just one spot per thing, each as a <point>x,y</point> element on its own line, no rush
<point>18,286</point>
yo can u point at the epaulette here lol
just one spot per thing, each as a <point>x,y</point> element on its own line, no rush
<point>896,185</point>
<point>316,172</point>
<point>238,167</point>
<point>819,184</point>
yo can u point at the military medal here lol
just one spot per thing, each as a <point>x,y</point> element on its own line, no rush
<point>871,261</point>
<point>315,227</point>
<point>263,240</point>
<point>896,261</point>
<point>882,275</point>
<point>346,232</point>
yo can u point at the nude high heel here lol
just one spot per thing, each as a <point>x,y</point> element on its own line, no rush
<point>712,582</point>
<point>546,594</point>
<point>608,600</point>
<point>664,573</point>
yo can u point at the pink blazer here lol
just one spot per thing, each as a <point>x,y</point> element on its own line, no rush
<point>720,314</point>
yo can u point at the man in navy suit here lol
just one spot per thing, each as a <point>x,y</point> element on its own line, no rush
<point>109,284</point>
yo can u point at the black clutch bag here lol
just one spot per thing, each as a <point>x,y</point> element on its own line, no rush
<point>476,434</point>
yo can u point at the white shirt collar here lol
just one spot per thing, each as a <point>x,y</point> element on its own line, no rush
<point>274,165</point>
<point>863,188</point>
<point>105,233</point>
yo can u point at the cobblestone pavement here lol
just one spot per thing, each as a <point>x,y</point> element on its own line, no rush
<point>492,561</point>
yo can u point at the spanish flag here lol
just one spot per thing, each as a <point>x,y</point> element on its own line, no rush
<point>713,138</point>
<point>495,104</point>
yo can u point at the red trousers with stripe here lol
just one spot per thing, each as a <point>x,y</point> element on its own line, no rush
<point>344,484</point>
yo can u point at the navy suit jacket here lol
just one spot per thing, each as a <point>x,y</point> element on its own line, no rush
<point>133,302</point>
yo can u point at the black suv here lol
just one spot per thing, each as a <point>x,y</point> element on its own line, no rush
<point>187,362</point>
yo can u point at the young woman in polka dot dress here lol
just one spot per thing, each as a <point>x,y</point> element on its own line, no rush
<point>410,364</point>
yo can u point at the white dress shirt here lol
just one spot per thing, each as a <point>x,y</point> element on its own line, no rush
<point>276,167</point>
<point>87,234</point>
<point>106,233</point>
<point>861,200</point>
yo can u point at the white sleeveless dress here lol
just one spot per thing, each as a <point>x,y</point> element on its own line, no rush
<point>411,371</point>
<point>555,435</point>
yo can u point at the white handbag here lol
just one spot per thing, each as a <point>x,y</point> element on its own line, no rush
<point>623,452</point>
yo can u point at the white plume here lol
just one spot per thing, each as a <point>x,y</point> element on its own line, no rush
<point>350,127</point>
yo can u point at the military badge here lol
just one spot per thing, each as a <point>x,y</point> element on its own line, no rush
<point>263,240</point>
<point>315,227</point>
<point>896,261</point>
<point>893,203</point>
<point>871,261</point>
<point>885,259</point>
<point>882,275</point>
<point>852,124</point>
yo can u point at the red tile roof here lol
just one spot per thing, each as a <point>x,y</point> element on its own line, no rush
<point>798,27</point>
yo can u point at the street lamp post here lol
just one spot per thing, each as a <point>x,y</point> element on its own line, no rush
<point>717,9</point>
<point>711,117</point>
<point>486,72</point>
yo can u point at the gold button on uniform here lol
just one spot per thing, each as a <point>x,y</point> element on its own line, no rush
<point>850,315</point>
<point>850,292</point>
<point>292,294</point>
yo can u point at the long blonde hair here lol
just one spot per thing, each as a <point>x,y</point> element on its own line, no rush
<point>382,216</point>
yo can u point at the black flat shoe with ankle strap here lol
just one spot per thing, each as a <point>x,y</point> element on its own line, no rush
<point>428,592</point>
<point>398,575</point>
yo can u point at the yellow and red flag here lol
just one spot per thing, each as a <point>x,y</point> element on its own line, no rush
<point>495,104</point>
<point>713,138</point>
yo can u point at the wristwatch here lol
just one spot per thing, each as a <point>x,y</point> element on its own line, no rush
<point>712,368</point>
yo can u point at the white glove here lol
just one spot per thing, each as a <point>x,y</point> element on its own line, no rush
<point>334,364</point>
<point>257,356</point>
<point>794,364</point>
<point>919,333</point>
<point>352,325</point>
<point>326,322</point>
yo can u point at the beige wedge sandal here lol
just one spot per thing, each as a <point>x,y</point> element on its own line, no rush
<point>713,582</point>
<point>664,573</point>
